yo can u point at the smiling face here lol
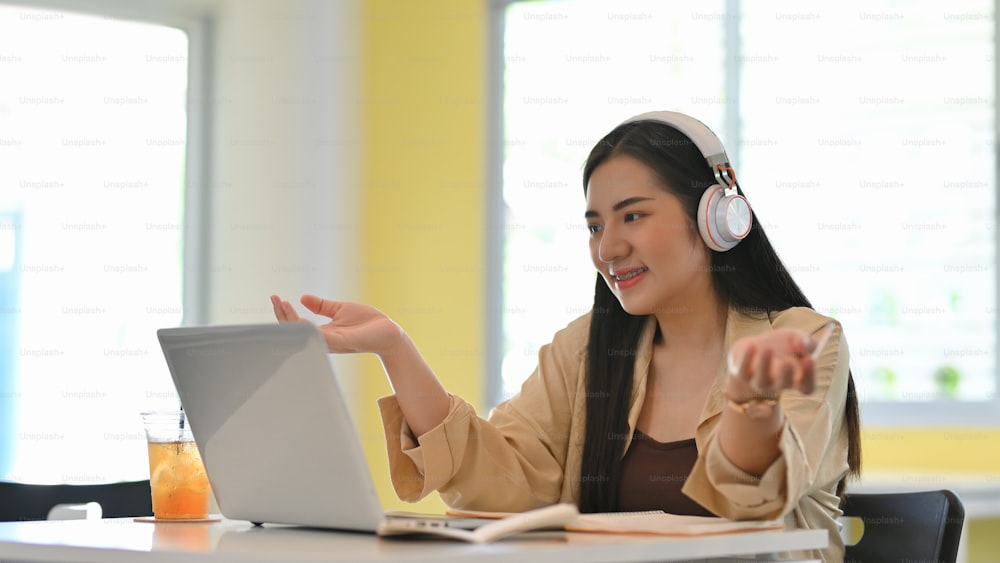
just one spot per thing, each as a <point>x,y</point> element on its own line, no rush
<point>642,242</point>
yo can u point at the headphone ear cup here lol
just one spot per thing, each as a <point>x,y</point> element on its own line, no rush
<point>723,220</point>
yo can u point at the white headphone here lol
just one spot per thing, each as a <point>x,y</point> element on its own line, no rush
<point>724,217</point>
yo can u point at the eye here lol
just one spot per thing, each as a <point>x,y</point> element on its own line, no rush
<point>593,229</point>
<point>629,217</point>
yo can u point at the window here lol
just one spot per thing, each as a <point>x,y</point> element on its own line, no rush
<point>564,83</point>
<point>93,134</point>
<point>870,162</point>
<point>896,172</point>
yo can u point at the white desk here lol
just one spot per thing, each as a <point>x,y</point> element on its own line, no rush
<point>122,540</point>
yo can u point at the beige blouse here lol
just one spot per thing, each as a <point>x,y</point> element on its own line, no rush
<point>528,453</point>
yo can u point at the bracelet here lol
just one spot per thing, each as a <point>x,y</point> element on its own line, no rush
<point>754,408</point>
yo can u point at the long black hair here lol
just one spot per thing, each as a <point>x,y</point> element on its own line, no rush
<point>750,277</point>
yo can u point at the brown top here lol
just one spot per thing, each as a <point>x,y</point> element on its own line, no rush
<point>653,474</point>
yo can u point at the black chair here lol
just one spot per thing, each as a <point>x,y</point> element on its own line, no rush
<point>912,526</point>
<point>22,501</point>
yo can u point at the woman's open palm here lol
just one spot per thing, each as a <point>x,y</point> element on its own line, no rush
<point>353,327</point>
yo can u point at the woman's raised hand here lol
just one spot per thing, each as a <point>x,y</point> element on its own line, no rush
<point>353,327</point>
<point>763,366</point>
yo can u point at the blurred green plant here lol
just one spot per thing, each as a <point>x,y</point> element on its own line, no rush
<point>948,378</point>
<point>884,379</point>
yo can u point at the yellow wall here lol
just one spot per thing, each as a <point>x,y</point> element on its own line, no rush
<point>938,450</point>
<point>423,207</point>
<point>423,114</point>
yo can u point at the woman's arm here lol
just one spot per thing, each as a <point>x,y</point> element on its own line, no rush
<point>422,399</point>
<point>811,438</point>
<point>513,462</point>
<point>761,368</point>
<point>353,328</point>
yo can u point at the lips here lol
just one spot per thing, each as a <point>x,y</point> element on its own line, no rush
<point>626,275</point>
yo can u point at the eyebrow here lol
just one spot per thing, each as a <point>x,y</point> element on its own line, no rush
<point>618,206</point>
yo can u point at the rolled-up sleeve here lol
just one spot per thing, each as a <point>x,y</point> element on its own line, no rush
<point>512,462</point>
<point>409,472</point>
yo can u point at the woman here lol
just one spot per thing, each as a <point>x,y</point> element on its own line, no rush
<point>697,384</point>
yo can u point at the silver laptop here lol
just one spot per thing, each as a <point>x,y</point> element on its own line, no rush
<point>273,429</point>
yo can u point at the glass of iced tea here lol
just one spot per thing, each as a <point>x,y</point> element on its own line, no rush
<point>177,478</point>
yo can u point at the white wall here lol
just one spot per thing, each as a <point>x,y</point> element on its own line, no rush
<point>285,166</point>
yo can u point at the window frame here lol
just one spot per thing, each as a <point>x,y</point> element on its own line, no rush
<point>937,413</point>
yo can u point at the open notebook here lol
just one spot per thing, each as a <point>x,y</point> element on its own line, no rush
<point>566,517</point>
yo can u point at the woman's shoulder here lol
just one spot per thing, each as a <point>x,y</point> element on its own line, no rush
<point>573,338</point>
<point>571,341</point>
<point>560,365</point>
<point>802,318</point>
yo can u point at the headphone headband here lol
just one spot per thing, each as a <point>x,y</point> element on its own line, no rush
<point>699,133</point>
<point>724,216</point>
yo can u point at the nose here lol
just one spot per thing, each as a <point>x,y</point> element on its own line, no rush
<point>611,247</point>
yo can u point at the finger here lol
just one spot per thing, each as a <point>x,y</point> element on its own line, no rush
<point>290,312</point>
<point>745,370</point>
<point>738,384</point>
<point>820,341</point>
<point>808,384</point>
<point>786,375</point>
<point>807,378</point>
<point>799,343</point>
<point>320,306</point>
<point>279,313</point>
<point>283,310</point>
<point>760,382</point>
